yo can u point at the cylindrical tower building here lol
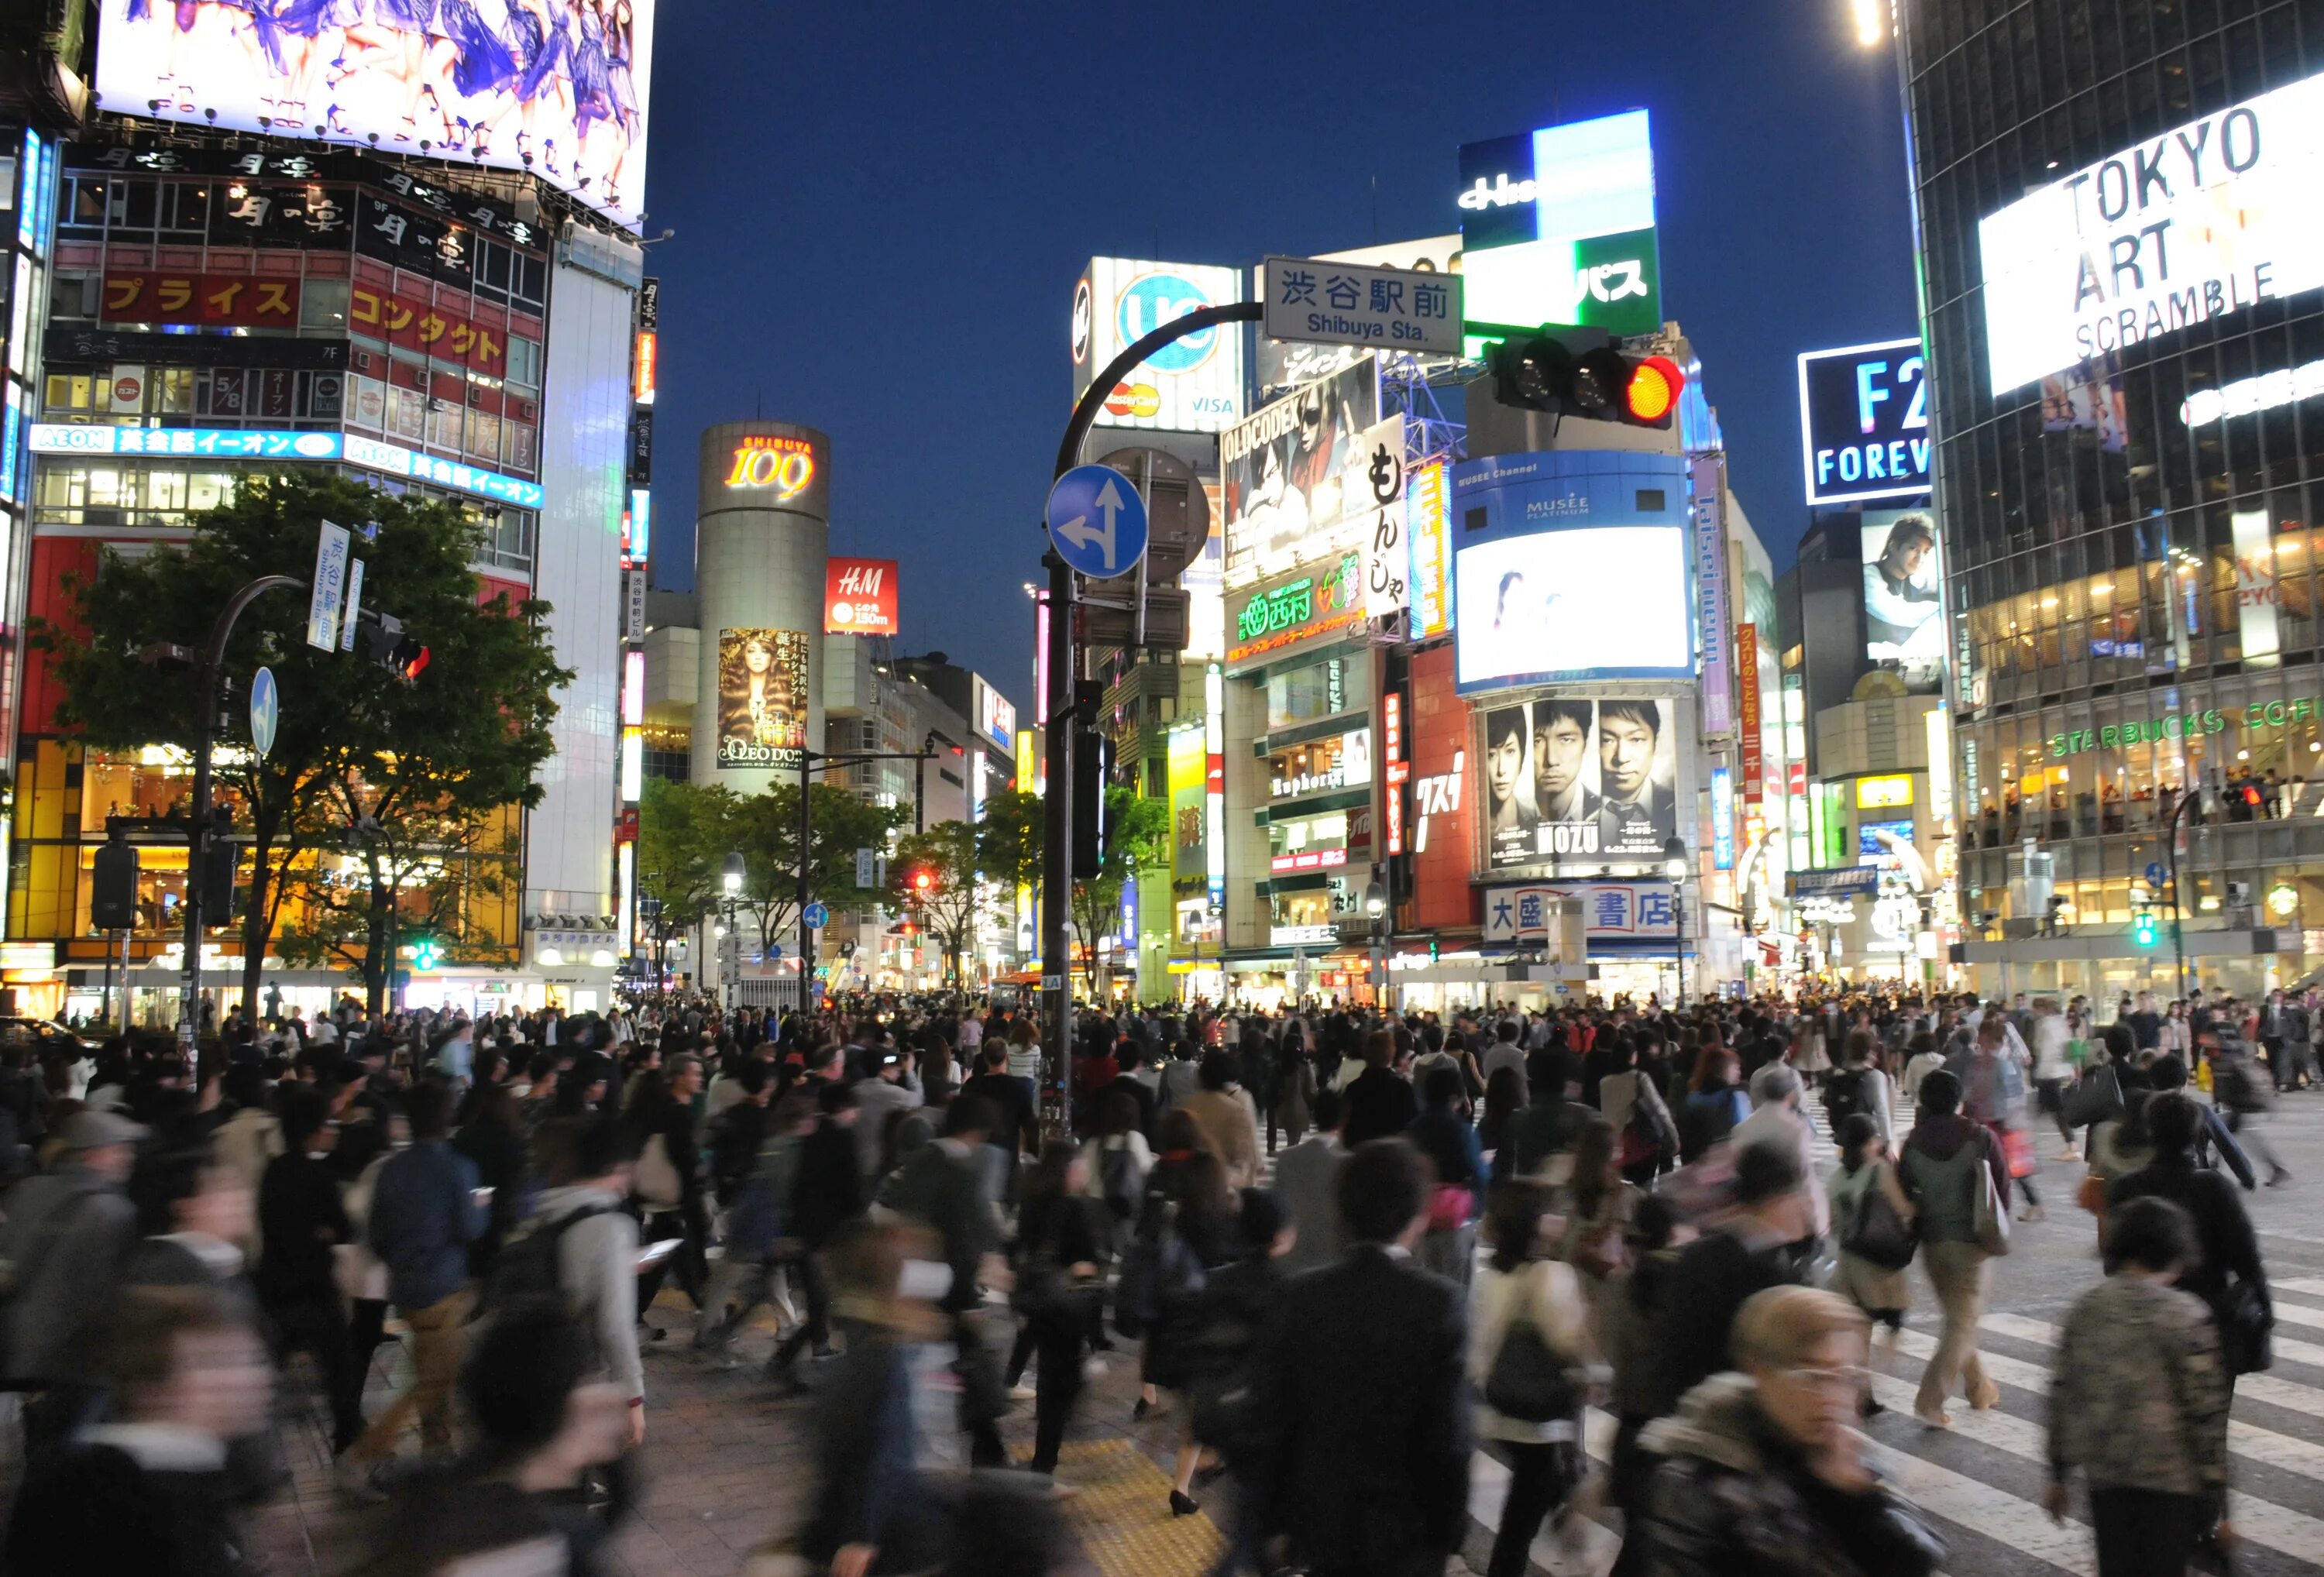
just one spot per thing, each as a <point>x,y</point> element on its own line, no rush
<point>762,533</point>
<point>2125,295</point>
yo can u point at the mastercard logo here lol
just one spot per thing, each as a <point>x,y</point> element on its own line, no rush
<point>1133,400</point>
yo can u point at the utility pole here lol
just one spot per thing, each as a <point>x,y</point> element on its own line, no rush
<point>1065,671</point>
<point>808,759</point>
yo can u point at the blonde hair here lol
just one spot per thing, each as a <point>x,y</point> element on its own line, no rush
<point>1775,1328</point>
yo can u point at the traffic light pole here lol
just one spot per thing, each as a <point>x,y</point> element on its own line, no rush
<point>807,765</point>
<point>1064,668</point>
<point>199,833</point>
<point>2170,842</point>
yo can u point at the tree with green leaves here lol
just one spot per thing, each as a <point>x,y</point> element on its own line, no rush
<point>951,904</point>
<point>685,831</point>
<point>1137,841</point>
<point>455,747</point>
<point>765,831</point>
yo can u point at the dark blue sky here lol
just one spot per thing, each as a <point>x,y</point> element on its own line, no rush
<point>881,212</point>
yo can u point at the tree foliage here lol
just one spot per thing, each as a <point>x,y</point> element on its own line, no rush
<point>436,760</point>
<point>951,903</point>
<point>1137,841</point>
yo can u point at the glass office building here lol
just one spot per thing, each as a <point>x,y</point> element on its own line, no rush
<point>2123,263</point>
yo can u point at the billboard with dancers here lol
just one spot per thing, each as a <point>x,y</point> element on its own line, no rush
<point>558,86</point>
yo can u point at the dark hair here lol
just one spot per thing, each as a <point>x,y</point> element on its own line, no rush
<point>1513,1215</point>
<point>1220,1069</point>
<point>1766,1171</point>
<point>2121,1045</point>
<point>305,1109</point>
<point>970,1114</point>
<point>1508,722</point>
<point>1713,1057</point>
<point>1262,1220</point>
<point>428,1107</point>
<point>1328,1105</point>
<point>2172,1120</point>
<point>2167,1072</point>
<point>523,1367</point>
<point>1381,1190</point>
<point>1644,713</point>
<point>1854,1130</point>
<point>1504,1093</point>
<point>1441,1088</point>
<point>1594,1148</point>
<point>2151,1232</point>
<point>1547,715</point>
<point>1047,1177</point>
<point>575,1149</point>
<point>1941,1093</point>
<point>1652,1224</point>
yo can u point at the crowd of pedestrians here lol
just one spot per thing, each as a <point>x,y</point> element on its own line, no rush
<point>1316,1227</point>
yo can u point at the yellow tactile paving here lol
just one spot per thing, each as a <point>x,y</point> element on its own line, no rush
<point>1122,1515</point>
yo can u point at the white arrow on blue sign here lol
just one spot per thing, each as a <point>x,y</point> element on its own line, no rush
<point>266,711</point>
<point>817,916</point>
<point>2155,874</point>
<point>1097,522</point>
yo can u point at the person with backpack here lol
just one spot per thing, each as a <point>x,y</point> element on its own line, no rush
<point>1116,1161</point>
<point>1875,1222</point>
<point>1528,1344</point>
<point>578,1253</point>
<point>1860,1086</point>
<point>1060,1248</point>
<point>1952,1170</point>
<point>1185,1230</point>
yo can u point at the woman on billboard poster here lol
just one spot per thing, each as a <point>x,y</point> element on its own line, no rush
<point>761,679</point>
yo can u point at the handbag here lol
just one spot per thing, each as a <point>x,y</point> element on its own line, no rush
<point>1877,1234</point>
<point>656,1180</point>
<point>1992,1215</point>
<point>2246,1321</point>
<point>2017,1151</point>
<point>1530,1381</point>
<point>2090,1194</point>
<point>2095,1098</point>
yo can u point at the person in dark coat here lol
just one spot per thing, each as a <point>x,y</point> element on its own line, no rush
<point>301,1223</point>
<point>826,1194</point>
<point>1765,1243</point>
<point>1060,1250</point>
<point>2228,1251</point>
<point>1363,1457</point>
<point>945,1186</point>
<point>1380,1101</point>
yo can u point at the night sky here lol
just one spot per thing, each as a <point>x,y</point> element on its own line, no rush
<point>881,212</point>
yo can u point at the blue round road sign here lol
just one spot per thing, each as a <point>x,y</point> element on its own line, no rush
<point>1097,522</point>
<point>2154,873</point>
<point>266,711</point>
<point>817,916</point>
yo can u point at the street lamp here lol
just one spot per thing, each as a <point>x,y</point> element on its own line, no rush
<point>1376,909</point>
<point>730,958</point>
<point>1674,864</point>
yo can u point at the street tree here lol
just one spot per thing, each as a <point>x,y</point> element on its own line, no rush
<point>936,872</point>
<point>1137,840</point>
<point>460,745</point>
<point>764,830</point>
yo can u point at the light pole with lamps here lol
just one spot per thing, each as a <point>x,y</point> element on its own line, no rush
<point>1674,867</point>
<point>730,957</point>
<point>1376,910</point>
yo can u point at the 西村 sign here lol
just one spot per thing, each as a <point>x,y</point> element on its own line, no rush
<point>276,444</point>
<point>1863,422</point>
<point>2202,221</point>
<point>1350,303</point>
<point>1326,600</point>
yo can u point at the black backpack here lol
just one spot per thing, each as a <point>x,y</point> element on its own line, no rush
<point>529,1272</point>
<point>1843,1098</point>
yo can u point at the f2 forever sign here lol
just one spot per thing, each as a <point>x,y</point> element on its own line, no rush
<point>1863,422</point>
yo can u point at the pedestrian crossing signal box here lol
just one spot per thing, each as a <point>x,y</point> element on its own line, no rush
<point>2143,932</point>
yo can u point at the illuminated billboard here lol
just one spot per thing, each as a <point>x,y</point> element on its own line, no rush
<point>2200,222</point>
<point>1578,780</point>
<point>1188,773</point>
<point>1194,384</point>
<point>1589,602</point>
<point>1284,474</point>
<point>1863,422</point>
<point>1904,597</point>
<point>762,697</point>
<point>555,87</point>
<point>859,597</point>
<point>1557,226</point>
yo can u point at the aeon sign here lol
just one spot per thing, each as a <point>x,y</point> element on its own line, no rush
<point>785,465</point>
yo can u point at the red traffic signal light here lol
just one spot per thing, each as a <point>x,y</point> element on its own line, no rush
<point>2251,795</point>
<point>1580,372</point>
<point>1652,393</point>
<point>922,881</point>
<point>415,658</point>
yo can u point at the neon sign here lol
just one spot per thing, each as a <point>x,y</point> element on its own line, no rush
<point>785,465</point>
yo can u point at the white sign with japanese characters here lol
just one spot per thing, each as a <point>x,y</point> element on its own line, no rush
<point>1610,910</point>
<point>1355,303</point>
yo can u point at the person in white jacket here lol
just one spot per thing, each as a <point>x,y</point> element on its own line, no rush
<point>2053,1069</point>
<point>597,1252</point>
<point>1518,1287</point>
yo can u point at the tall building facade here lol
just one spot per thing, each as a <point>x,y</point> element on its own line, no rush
<point>2126,332</point>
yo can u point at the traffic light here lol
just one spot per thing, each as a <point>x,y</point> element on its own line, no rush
<point>425,954</point>
<point>112,888</point>
<point>921,882</point>
<point>386,642</point>
<point>1578,373</point>
<point>1092,764</point>
<point>2143,932</point>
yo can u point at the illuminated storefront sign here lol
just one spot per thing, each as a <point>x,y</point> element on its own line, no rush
<point>1428,518</point>
<point>1398,769</point>
<point>1747,710</point>
<point>1322,766</point>
<point>859,598</point>
<point>2173,725</point>
<point>1883,793</point>
<point>637,529</point>
<point>1557,226</point>
<point>2248,396</point>
<point>2201,222</point>
<point>1863,422</point>
<point>646,367</point>
<point>241,444</point>
<point>1722,818</point>
<point>1307,859</point>
<point>769,460</point>
<point>1312,604</point>
<point>1195,384</point>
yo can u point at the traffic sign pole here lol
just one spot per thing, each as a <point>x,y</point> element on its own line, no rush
<point>1065,660</point>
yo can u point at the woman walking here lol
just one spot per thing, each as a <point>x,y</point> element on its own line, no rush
<point>1866,1181</point>
<point>1059,1247</point>
<point>1521,1291</point>
<point>2149,1436</point>
<point>1946,1165</point>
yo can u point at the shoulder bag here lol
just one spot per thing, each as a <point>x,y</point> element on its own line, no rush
<point>1530,1382</point>
<point>1877,1234</point>
<point>1992,1213</point>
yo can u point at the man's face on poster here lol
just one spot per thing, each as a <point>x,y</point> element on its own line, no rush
<point>1626,754</point>
<point>1558,749</point>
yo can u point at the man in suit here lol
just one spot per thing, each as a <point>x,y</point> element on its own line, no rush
<point>1363,1468</point>
<point>1560,744</point>
<point>1381,1103</point>
<point>1637,812</point>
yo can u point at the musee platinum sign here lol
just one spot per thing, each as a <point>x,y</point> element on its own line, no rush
<point>2199,223</point>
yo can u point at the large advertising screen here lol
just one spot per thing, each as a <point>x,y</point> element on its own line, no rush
<point>1863,422</point>
<point>1588,602</point>
<point>762,697</point>
<point>1585,781</point>
<point>1284,474</point>
<point>2197,223</point>
<point>1904,597</point>
<point>1557,226</point>
<point>1194,384</point>
<point>555,87</point>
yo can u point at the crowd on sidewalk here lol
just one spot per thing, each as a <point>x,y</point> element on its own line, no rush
<point>1349,1248</point>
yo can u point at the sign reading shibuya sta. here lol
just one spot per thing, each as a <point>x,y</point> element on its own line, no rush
<point>1348,303</point>
<point>1321,599</point>
<point>2196,224</point>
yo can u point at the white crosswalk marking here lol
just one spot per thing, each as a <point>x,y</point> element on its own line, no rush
<point>2299,1314</point>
